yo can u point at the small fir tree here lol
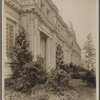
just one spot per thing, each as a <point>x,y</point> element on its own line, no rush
<point>89,51</point>
<point>59,56</point>
<point>21,53</point>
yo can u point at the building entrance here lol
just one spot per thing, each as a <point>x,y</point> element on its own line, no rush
<point>43,45</point>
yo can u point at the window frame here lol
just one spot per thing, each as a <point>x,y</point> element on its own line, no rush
<point>9,44</point>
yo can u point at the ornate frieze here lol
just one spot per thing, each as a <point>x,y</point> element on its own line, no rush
<point>29,5</point>
<point>59,41</point>
<point>13,3</point>
<point>45,29</point>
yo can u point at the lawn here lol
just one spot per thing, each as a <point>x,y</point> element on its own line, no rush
<point>85,92</point>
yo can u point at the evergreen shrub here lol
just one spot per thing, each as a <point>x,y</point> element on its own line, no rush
<point>58,80</point>
<point>28,76</point>
<point>26,71</point>
<point>90,78</point>
<point>76,75</point>
<point>20,51</point>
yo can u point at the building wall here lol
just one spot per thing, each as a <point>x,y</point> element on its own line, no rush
<point>13,18</point>
<point>41,17</point>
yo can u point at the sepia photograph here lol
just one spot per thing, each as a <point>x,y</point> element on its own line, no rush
<point>50,49</point>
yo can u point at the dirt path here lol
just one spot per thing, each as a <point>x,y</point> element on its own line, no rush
<point>85,92</point>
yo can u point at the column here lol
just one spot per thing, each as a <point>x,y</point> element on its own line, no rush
<point>35,46</point>
<point>35,37</point>
<point>31,34</point>
<point>64,52</point>
<point>48,54</point>
<point>53,53</point>
<point>72,54</point>
<point>38,42</point>
<point>24,21</point>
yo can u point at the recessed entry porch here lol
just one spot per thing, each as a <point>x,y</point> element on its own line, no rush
<point>45,48</point>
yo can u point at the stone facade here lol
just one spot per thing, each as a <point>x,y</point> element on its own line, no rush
<point>45,29</point>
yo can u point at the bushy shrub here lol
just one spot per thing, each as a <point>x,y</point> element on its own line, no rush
<point>66,68</point>
<point>26,73</point>
<point>75,68</point>
<point>8,82</point>
<point>30,74</point>
<point>81,69</point>
<point>76,75</point>
<point>58,80</point>
<point>90,78</point>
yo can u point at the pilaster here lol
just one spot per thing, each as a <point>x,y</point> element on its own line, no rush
<point>31,32</point>
<point>38,42</point>
<point>48,54</point>
<point>36,37</point>
<point>35,47</point>
<point>53,52</point>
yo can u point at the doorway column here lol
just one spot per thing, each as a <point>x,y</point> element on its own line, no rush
<point>39,43</point>
<point>48,54</point>
<point>35,47</point>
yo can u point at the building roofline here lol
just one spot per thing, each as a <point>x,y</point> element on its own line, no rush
<point>19,8</point>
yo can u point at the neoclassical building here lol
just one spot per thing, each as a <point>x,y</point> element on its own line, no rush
<point>45,28</point>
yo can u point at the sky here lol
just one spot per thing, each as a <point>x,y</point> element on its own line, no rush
<point>84,16</point>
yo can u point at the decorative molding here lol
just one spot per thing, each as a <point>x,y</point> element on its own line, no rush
<point>31,7</point>
<point>13,3</point>
<point>44,31</point>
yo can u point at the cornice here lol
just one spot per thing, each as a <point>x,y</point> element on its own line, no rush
<point>31,7</point>
<point>42,17</point>
<point>53,6</point>
<point>34,8</point>
<point>67,29</point>
<point>68,44</point>
<point>16,5</point>
<point>61,37</point>
<point>60,19</point>
<point>57,13</point>
<point>27,8</point>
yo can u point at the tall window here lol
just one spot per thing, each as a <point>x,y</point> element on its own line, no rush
<point>9,39</point>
